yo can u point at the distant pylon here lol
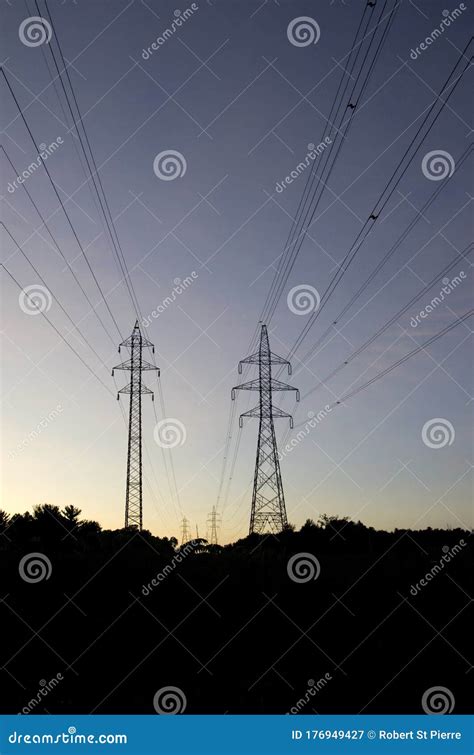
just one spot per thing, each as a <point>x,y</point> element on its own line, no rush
<point>185,531</point>
<point>212,524</point>
<point>134,498</point>
<point>268,511</point>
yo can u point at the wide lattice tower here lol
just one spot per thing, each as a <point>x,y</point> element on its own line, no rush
<point>268,512</point>
<point>136,365</point>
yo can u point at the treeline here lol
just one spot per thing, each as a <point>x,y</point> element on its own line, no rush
<point>64,529</point>
<point>248,627</point>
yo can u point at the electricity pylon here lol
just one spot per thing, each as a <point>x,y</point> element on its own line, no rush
<point>212,524</point>
<point>136,364</point>
<point>185,531</point>
<point>268,511</point>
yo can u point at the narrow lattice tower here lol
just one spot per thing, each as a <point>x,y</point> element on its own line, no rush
<point>136,364</point>
<point>212,526</point>
<point>185,531</point>
<point>268,513</point>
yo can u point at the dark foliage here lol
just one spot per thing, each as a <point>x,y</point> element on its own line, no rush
<point>124,613</point>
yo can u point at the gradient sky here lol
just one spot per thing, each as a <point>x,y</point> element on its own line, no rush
<point>228,91</point>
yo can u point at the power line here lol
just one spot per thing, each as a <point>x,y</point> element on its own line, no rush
<point>62,206</point>
<point>22,288</point>
<point>44,222</point>
<point>420,214</point>
<point>402,360</point>
<point>93,173</point>
<point>321,185</point>
<point>382,201</point>
<point>465,253</point>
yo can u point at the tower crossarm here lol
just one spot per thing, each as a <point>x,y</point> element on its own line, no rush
<point>131,340</point>
<point>127,365</point>
<point>250,385</point>
<point>277,385</point>
<point>143,390</point>
<point>272,359</point>
<point>257,413</point>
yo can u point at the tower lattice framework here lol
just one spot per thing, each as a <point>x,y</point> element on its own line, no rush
<point>268,512</point>
<point>136,365</point>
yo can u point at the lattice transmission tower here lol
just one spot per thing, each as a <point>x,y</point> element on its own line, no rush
<point>136,364</point>
<point>185,531</point>
<point>213,523</point>
<point>268,512</point>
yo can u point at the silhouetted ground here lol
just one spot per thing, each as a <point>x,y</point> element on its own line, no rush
<point>228,626</point>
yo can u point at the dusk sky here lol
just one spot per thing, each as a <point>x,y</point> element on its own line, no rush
<point>240,102</point>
